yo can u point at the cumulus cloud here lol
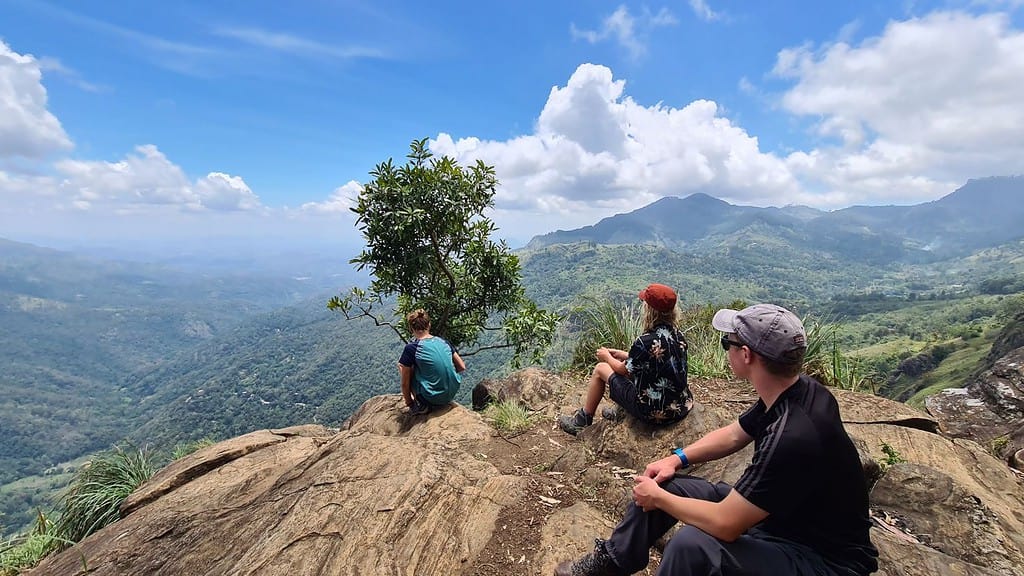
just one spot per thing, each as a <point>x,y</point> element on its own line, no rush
<point>220,191</point>
<point>909,113</point>
<point>27,128</point>
<point>626,29</point>
<point>343,198</point>
<point>149,178</point>
<point>595,151</point>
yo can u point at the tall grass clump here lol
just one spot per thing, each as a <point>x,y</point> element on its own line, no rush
<point>25,551</point>
<point>510,416</point>
<point>705,355</point>
<point>99,487</point>
<point>826,363</point>
<point>601,322</point>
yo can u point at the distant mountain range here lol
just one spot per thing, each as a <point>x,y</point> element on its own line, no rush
<point>984,212</point>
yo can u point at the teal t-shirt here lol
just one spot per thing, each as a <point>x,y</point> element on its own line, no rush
<point>434,379</point>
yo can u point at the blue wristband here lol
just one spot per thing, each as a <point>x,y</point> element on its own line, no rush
<point>682,457</point>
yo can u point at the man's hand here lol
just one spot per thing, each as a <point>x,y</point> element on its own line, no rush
<point>662,470</point>
<point>646,493</point>
<point>603,354</point>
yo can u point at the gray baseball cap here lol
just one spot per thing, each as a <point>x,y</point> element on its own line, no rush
<point>770,330</point>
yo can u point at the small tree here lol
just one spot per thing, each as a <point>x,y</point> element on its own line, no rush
<point>429,245</point>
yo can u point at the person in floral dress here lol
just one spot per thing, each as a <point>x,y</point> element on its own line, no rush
<point>649,381</point>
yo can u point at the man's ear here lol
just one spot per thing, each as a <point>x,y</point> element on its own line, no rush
<point>748,355</point>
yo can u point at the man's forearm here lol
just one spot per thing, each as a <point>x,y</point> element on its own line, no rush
<point>717,444</point>
<point>697,513</point>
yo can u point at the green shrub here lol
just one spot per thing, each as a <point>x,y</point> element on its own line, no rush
<point>892,456</point>
<point>510,416</point>
<point>95,494</point>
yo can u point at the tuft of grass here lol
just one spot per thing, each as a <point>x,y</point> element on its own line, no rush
<point>509,416</point>
<point>600,323</point>
<point>94,496</point>
<point>22,552</point>
<point>826,362</point>
<point>183,449</point>
<point>705,356</point>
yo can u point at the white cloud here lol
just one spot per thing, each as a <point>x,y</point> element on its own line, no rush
<point>149,178</point>
<point>595,152</point>
<point>343,198</point>
<point>27,128</point>
<point>297,45</point>
<point>625,29</point>
<point>220,191</point>
<point>703,11</point>
<point>54,65</point>
<point>910,112</point>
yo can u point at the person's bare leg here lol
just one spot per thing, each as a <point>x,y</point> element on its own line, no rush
<point>595,390</point>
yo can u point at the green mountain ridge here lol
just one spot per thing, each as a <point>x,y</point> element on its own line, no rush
<point>983,212</point>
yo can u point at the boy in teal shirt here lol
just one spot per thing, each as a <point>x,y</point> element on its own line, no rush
<point>431,369</point>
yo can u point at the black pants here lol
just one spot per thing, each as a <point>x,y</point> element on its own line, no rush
<point>692,552</point>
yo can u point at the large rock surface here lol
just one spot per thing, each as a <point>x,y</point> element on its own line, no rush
<point>448,494</point>
<point>989,410</point>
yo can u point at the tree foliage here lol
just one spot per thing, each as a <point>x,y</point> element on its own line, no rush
<point>428,245</point>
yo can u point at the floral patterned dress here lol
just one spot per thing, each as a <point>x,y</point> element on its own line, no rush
<point>657,367</point>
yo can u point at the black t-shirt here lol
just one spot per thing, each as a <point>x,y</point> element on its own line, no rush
<point>807,475</point>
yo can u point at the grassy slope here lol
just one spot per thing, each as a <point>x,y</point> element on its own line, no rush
<point>953,372</point>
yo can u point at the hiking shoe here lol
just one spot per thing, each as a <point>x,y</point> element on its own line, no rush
<point>597,563</point>
<point>418,407</point>
<point>613,413</point>
<point>578,421</point>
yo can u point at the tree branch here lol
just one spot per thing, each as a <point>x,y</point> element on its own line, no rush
<point>491,347</point>
<point>366,312</point>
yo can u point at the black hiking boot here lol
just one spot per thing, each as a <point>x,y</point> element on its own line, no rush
<point>578,421</point>
<point>597,563</point>
<point>613,413</point>
<point>418,407</point>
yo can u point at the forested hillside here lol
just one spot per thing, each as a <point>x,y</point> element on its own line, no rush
<point>74,328</point>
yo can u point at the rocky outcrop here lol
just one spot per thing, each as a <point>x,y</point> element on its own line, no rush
<point>1010,337</point>
<point>989,409</point>
<point>447,493</point>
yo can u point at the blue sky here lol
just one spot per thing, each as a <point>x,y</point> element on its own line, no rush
<point>125,122</point>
